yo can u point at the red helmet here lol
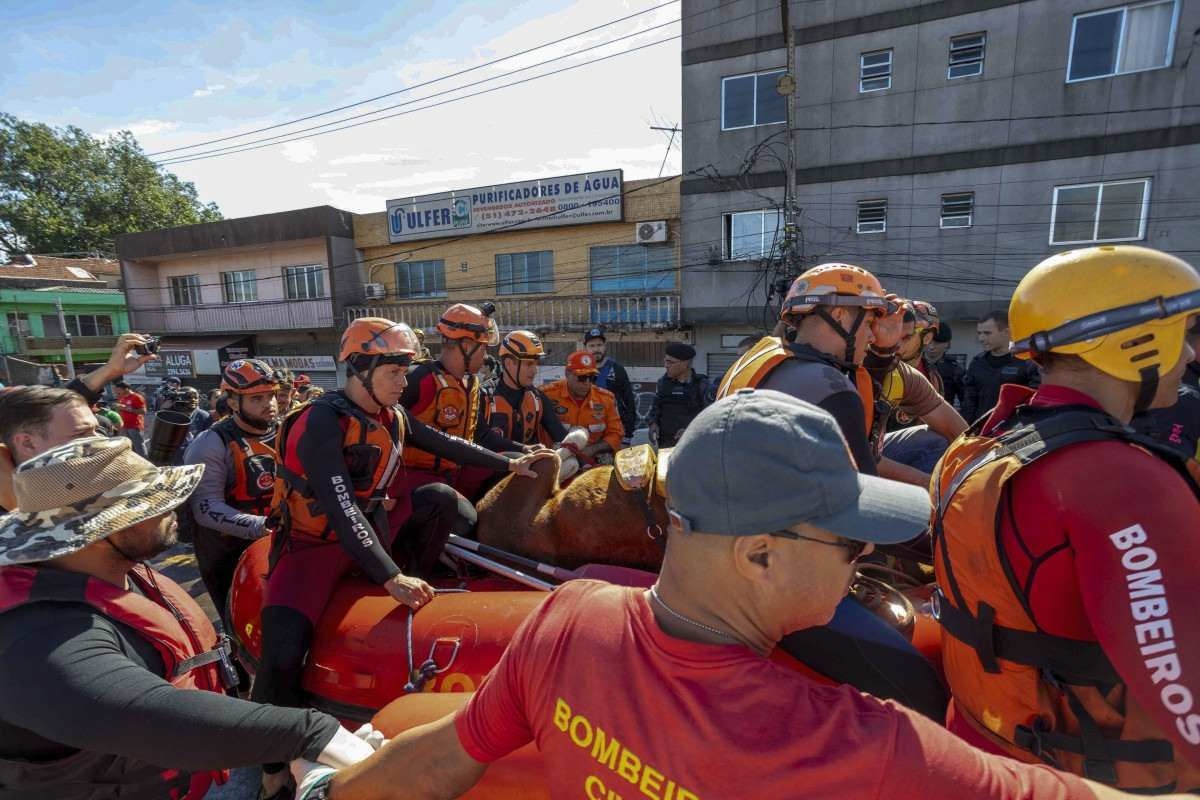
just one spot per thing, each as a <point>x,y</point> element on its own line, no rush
<point>249,376</point>
<point>302,381</point>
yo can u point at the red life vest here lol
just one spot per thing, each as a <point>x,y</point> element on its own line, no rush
<point>166,617</point>
<point>253,460</point>
<point>454,411</point>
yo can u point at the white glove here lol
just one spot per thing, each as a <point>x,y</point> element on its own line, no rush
<point>308,774</point>
<point>371,736</point>
<point>345,749</point>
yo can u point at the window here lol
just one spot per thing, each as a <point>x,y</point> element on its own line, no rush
<point>525,273</point>
<point>752,234</point>
<point>958,210</point>
<point>416,279</point>
<point>872,216</point>
<point>239,286</point>
<point>966,55</point>
<point>875,71</point>
<point>1129,38</point>
<point>632,268</point>
<point>185,290</point>
<point>18,325</point>
<point>78,325</point>
<point>1100,212</point>
<point>749,100</point>
<point>303,283</point>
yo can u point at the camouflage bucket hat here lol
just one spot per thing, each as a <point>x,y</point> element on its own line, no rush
<point>83,491</point>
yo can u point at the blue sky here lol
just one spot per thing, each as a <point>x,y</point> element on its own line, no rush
<point>178,73</point>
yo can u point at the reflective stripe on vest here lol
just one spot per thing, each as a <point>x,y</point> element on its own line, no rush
<point>1034,695</point>
<point>454,411</point>
<point>503,417</point>
<point>371,453</point>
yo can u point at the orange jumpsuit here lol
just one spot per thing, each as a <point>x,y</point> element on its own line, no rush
<point>597,413</point>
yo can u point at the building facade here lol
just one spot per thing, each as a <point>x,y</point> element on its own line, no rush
<point>93,315</point>
<point>946,145</point>
<point>619,269</point>
<point>272,286</point>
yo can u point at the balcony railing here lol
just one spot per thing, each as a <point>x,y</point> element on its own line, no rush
<point>557,313</point>
<point>38,345</point>
<point>236,317</point>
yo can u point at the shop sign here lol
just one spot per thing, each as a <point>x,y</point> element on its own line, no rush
<point>550,202</point>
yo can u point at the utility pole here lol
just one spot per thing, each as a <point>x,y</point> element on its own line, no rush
<point>786,86</point>
<point>62,324</point>
<point>674,129</point>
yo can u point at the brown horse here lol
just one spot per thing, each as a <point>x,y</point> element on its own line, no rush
<point>593,519</point>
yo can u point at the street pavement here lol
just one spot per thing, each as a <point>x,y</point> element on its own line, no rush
<point>179,564</point>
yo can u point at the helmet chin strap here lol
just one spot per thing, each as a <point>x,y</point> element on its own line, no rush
<point>1147,389</point>
<point>514,377</point>
<point>366,378</point>
<point>848,336</point>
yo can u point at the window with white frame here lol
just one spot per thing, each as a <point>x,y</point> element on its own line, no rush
<point>525,273</point>
<point>304,283</point>
<point>415,279</point>
<point>752,234</point>
<point>185,290</point>
<point>872,216</point>
<point>1113,211</point>
<point>749,100</point>
<point>875,71</point>
<point>239,286</point>
<point>1129,38</point>
<point>958,210</point>
<point>966,55</point>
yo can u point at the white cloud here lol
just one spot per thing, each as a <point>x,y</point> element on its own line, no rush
<point>300,152</point>
<point>331,175</point>
<point>434,181</point>
<point>507,159</point>
<point>398,157</point>
<point>144,127</point>
<point>212,88</point>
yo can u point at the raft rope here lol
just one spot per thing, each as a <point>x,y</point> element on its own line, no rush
<point>419,676</point>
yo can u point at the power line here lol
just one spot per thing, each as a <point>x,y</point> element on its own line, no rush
<point>418,85</point>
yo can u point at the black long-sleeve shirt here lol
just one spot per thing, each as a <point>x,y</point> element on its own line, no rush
<point>986,374</point>
<point>614,378</point>
<point>72,679</point>
<point>318,448</point>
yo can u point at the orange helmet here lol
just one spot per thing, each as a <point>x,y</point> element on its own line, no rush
<point>249,376</point>
<point>302,381</point>
<point>462,321</point>
<point>523,346</point>
<point>376,336</point>
<point>582,362</point>
<point>834,285</point>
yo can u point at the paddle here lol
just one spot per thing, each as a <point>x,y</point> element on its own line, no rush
<point>483,555</point>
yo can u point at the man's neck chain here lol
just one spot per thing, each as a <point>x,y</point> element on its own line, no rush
<point>688,620</point>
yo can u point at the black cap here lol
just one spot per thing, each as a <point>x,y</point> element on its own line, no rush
<point>680,351</point>
<point>943,334</point>
<point>594,333</point>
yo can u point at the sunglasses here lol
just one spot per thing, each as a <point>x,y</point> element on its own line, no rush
<point>586,378</point>
<point>854,549</point>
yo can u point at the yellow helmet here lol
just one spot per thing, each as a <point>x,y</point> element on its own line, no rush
<point>1122,309</point>
<point>523,346</point>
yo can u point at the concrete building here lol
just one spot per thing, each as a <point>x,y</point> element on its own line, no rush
<point>93,314</point>
<point>272,286</point>
<point>947,145</point>
<point>617,267</point>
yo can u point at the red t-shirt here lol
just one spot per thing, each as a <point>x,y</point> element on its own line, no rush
<point>619,708</point>
<point>128,418</point>
<point>1107,536</point>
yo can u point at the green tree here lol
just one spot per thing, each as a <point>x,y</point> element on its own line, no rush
<point>65,191</point>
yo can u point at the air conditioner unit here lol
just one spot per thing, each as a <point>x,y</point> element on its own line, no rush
<point>374,291</point>
<point>649,232</point>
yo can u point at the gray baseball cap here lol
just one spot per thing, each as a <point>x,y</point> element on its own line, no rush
<point>761,461</point>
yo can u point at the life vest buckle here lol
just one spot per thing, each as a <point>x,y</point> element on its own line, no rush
<point>1030,737</point>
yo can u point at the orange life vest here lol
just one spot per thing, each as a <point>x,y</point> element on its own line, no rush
<point>454,410</point>
<point>503,416</point>
<point>372,455</point>
<point>1036,696</point>
<point>749,371</point>
<point>253,457</point>
<point>193,655</point>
